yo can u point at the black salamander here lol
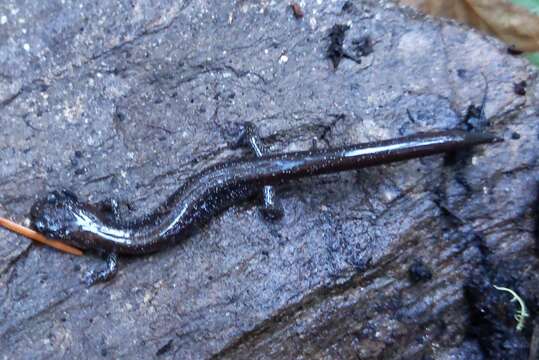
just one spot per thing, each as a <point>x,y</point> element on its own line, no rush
<point>62,216</point>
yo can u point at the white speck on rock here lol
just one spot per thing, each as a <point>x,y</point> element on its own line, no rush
<point>26,47</point>
<point>3,19</point>
<point>283,59</point>
<point>312,23</point>
<point>147,297</point>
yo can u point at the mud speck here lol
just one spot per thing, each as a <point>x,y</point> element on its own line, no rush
<point>297,10</point>
<point>419,272</point>
<point>520,88</point>
<point>335,50</point>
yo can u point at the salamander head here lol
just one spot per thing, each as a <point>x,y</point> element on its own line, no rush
<point>58,216</point>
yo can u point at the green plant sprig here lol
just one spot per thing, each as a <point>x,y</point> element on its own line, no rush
<point>522,313</point>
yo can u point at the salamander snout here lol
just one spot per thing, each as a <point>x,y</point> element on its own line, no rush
<point>55,214</point>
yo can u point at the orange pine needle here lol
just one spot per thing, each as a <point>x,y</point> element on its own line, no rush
<point>31,234</point>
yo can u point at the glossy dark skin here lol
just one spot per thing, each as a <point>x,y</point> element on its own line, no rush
<point>97,227</point>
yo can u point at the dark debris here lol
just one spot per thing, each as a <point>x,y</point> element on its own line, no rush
<point>165,348</point>
<point>363,46</point>
<point>419,272</point>
<point>520,88</point>
<point>348,7</point>
<point>335,50</point>
<point>512,50</point>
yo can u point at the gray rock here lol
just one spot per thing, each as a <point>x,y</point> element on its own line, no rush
<point>126,99</point>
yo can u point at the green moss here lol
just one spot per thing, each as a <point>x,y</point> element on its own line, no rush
<point>534,58</point>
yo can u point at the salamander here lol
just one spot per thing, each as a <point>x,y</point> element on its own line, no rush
<point>61,215</point>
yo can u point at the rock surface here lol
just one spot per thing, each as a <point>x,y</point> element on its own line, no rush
<point>126,99</point>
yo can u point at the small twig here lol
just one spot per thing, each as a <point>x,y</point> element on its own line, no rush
<point>522,313</point>
<point>31,234</point>
<point>410,116</point>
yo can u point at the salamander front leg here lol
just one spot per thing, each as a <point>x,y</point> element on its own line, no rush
<point>272,208</point>
<point>113,208</point>
<point>105,274</point>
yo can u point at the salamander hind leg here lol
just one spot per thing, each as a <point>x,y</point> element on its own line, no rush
<point>272,208</point>
<point>105,274</point>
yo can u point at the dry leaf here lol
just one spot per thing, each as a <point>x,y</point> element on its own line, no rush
<point>513,24</point>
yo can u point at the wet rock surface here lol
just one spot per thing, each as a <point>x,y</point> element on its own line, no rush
<point>126,99</point>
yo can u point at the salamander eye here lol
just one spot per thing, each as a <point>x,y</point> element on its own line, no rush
<point>69,194</point>
<point>39,225</point>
